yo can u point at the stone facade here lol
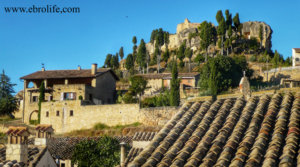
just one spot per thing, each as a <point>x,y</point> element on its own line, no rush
<point>86,116</point>
<point>18,152</point>
<point>185,25</point>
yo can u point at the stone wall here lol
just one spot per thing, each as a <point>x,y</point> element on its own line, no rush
<point>156,115</point>
<point>86,116</point>
<point>154,84</point>
<point>186,24</point>
<point>278,75</point>
<point>18,152</point>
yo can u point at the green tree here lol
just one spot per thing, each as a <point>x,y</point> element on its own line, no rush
<point>107,61</point>
<point>134,40</point>
<point>221,32</point>
<point>175,84</point>
<point>236,22</point>
<point>227,44</point>
<point>206,35</point>
<point>219,16</point>
<point>138,85</point>
<point>214,75</point>
<point>129,62</point>
<point>166,55</point>
<point>229,31</point>
<point>104,153</point>
<point>121,53</point>
<point>180,54</point>
<point>8,103</point>
<point>188,54</point>
<point>276,59</point>
<point>228,18</point>
<point>199,58</point>
<point>134,53</point>
<point>41,99</point>
<point>260,35</point>
<point>114,62</point>
<point>141,55</point>
<point>148,60</point>
<point>152,37</point>
<point>166,38</point>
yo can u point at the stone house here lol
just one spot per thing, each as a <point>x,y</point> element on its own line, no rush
<point>155,81</point>
<point>94,86</point>
<point>296,56</point>
<point>18,153</point>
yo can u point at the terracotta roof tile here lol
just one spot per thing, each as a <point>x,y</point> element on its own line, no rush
<point>228,133</point>
<point>56,74</point>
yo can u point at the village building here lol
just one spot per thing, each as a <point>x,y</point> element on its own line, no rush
<point>18,152</point>
<point>155,81</point>
<point>296,56</point>
<point>67,89</point>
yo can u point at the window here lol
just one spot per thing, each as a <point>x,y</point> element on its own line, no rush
<point>47,113</point>
<point>62,165</point>
<point>71,112</point>
<point>57,113</point>
<point>34,98</point>
<point>68,96</point>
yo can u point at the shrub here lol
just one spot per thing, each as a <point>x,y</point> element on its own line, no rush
<point>100,126</point>
<point>80,97</point>
<point>206,92</point>
<point>33,122</point>
<point>252,58</point>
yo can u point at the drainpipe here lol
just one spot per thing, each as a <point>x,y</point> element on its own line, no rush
<point>123,153</point>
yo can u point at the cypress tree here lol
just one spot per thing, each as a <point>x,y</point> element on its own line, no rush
<point>121,53</point>
<point>260,35</point>
<point>141,55</point>
<point>108,60</point>
<point>41,99</point>
<point>219,16</point>
<point>214,79</point>
<point>129,62</point>
<point>175,83</point>
<point>228,19</point>
<point>236,22</point>
<point>229,31</point>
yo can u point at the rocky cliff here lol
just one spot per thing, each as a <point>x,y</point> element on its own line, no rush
<point>250,29</point>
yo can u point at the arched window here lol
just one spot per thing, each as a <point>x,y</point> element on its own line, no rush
<point>47,113</point>
<point>297,59</point>
<point>57,113</point>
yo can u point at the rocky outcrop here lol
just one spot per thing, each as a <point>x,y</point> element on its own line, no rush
<point>251,29</point>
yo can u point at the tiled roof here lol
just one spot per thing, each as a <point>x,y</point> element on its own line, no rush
<point>143,136</point>
<point>168,75</point>
<point>17,130</point>
<point>232,133</point>
<point>44,127</point>
<point>35,153</point>
<point>55,74</point>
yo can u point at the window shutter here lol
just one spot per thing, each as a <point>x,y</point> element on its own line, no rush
<point>62,97</point>
<point>74,96</point>
<point>71,95</point>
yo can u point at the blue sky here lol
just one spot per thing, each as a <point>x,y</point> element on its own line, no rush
<point>64,41</point>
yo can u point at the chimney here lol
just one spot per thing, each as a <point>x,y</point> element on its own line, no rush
<point>79,68</point>
<point>17,145</point>
<point>94,68</point>
<point>123,153</point>
<point>43,134</point>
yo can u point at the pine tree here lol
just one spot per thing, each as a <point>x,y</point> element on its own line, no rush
<point>141,55</point>
<point>180,54</point>
<point>134,51</point>
<point>221,32</point>
<point>8,103</point>
<point>148,60</point>
<point>219,16</point>
<point>213,78</point>
<point>188,54</point>
<point>166,55</point>
<point>129,62</point>
<point>236,22</point>
<point>229,31</point>
<point>41,99</point>
<point>108,60</point>
<point>121,53</point>
<point>175,83</point>
<point>228,19</point>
